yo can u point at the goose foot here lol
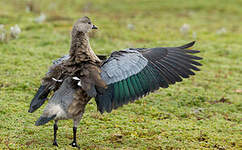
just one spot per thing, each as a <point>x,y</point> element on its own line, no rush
<point>74,144</point>
<point>55,143</point>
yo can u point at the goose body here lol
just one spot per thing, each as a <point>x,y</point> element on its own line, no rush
<point>124,77</point>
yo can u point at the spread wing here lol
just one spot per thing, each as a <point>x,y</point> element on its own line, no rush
<point>48,84</point>
<point>133,73</point>
<point>51,82</point>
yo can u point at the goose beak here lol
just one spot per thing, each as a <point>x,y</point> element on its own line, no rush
<point>94,27</point>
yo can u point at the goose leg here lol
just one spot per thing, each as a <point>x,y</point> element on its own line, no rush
<point>74,143</point>
<point>55,132</point>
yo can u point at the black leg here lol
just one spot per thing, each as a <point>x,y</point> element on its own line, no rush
<point>74,144</point>
<point>55,131</point>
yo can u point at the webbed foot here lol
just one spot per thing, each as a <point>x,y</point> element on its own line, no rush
<point>74,144</point>
<point>55,143</point>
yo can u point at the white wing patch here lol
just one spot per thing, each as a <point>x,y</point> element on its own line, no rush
<point>57,80</point>
<point>78,79</point>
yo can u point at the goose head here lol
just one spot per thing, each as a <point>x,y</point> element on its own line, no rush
<point>84,25</point>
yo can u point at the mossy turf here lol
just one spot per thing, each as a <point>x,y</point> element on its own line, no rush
<point>203,112</point>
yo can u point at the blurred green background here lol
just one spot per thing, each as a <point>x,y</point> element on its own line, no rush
<point>203,112</point>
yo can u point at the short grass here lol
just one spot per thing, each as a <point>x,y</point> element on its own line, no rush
<point>203,112</point>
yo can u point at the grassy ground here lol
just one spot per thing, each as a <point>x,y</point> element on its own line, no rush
<point>203,112</point>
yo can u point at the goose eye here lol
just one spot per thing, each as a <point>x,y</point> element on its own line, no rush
<point>89,22</point>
